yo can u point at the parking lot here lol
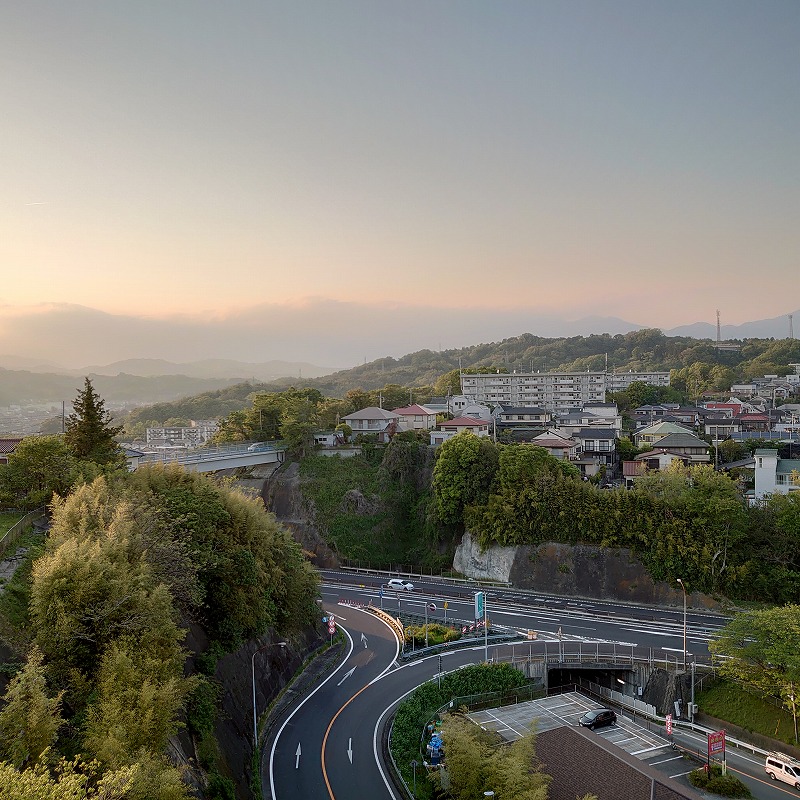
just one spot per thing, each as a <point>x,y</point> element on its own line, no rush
<point>512,722</point>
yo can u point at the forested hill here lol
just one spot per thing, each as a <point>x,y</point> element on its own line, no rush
<point>697,364</point>
<point>639,350</point>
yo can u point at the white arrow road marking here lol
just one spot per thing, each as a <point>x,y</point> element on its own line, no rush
<point>350,750</point>
<point>347,675</point>
<point>364,639</point>
<point>297,756</point>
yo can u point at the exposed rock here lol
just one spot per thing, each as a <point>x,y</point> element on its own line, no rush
<point>283,498</point>
<point>572,570</point>
<point>354,502</point>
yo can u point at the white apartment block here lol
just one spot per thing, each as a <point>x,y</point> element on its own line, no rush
<point>195,435</point>
<point>620,381</point>
<point>553,391</point>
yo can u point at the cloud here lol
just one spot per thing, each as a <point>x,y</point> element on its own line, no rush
<point>321,331</point>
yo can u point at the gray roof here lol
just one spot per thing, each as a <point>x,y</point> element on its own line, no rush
<point>594,433</point>
<point>677,440</point>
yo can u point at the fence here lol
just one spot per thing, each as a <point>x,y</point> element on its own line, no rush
<point>13,534</point>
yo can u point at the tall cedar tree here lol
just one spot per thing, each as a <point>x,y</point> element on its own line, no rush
<point>89,433</point>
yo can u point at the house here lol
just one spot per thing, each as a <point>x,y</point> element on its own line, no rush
<point>774,475</point>
<point>477,411</point>
<point>576,418</point>
<point>416,418</point>
<point>597,449</point>
<point>721,427</point>
<point>7,446</point>
<point>657,431</point>
<point>558,444</point>
<point>373,420</point>
<point>447,430</point>
<point>520,423</point>
<point>632,470</point>
<point>132,457</point>
<point>754,422</point>
<point>659,459</point>
<point>690,447</point>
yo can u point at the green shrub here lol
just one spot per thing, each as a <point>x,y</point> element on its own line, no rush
<point>713,781</point>
<point>437,634</point>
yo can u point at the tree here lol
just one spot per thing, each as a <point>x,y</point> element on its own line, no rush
<point>74,780</point>
<point>89,433</point>
<point>39,467</point>
<point>465,468</point>
<point>478,761</point>
<point>760,648</point>
<point>30,717</point>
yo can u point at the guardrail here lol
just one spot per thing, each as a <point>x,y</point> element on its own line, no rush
<point>17,529</point>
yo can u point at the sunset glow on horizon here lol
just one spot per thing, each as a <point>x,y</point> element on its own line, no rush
<point>635,160</point>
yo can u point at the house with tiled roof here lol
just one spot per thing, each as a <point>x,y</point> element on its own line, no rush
<point>597,449</point>
<point>416,418</point>
<point>450,428</point>
<point>558,444</point>
<point>687,445</point>
<point>373,420</point>
<point>8,445</point>
<point>657,431</point>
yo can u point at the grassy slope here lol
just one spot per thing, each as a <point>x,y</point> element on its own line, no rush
<point>729,702</point>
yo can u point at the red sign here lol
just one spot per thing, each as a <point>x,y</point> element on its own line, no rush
<point>716,743</point>
<point>668,720</point>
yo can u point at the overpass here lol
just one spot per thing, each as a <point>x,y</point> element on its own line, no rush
<point>216,457</point>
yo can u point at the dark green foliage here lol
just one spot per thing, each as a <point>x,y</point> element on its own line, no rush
<point>220,787</point>
<point>252,573</point>
<point>89,433</point>
<point>201,707</point>
<point>713,781</point>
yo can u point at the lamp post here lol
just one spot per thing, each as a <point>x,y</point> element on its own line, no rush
<point>684,622</point>
<point>253,673</point>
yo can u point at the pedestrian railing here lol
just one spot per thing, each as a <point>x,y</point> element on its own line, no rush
<point>14,533</point>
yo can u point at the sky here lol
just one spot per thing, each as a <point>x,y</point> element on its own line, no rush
<point>340,181</point>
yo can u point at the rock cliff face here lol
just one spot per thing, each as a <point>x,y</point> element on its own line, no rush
<point>577,571</point>
<point>282,497</point>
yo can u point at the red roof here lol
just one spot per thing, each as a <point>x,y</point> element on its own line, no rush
<point>464,422</point>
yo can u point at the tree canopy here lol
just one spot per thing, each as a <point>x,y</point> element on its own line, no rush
<point>89,433</point>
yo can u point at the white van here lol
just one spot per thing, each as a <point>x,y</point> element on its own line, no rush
<point>781,767</point>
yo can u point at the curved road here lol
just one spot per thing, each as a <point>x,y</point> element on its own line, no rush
<point>338,727</point>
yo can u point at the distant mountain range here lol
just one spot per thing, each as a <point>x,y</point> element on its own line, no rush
<point>215,369</point>
<point>143,381</point>
<point>775,328</point>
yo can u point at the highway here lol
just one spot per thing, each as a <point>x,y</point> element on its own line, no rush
<point>330,746</point>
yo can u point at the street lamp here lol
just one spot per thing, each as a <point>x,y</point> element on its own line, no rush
<point>253,673</point>
<point>684,622</point>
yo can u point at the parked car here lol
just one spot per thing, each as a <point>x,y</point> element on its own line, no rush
<point>597,718</point>
<point>400,585</point>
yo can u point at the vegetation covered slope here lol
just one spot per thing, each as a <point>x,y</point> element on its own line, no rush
<point>130,562</point>
<point>696,364</point>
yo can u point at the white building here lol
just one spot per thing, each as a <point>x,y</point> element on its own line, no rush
<point>774,475</point>
<point>620,381</point>
<point>554,391</point>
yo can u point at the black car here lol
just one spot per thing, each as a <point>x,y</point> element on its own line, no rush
<point>597,718</point>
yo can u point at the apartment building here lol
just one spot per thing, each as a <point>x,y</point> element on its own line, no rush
<point>620,381</point>
<point>553,391</point>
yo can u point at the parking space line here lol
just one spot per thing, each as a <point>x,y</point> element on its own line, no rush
<point>664,760</point>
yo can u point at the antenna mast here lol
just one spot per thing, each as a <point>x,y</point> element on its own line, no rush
<point>791,329</point>
<point>719,338</point>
